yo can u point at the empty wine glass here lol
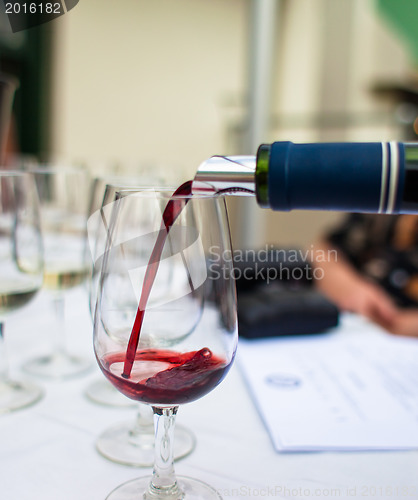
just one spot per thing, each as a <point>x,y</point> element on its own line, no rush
<point>129,442</point>
<point>63,192</point>
<point>21,271</point>
<point>179,340</point>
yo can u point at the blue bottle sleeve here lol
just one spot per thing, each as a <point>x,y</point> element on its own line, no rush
<point>352,177</point>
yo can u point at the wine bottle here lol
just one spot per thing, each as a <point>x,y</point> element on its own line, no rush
<point>376,177</point>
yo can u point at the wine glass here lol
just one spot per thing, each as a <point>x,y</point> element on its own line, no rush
<point>63,193</point>
<point>179,340</point>
<point>21,271</point>
<point>128,442</point>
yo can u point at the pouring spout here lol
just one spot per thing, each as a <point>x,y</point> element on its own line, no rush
<point>228,174</point>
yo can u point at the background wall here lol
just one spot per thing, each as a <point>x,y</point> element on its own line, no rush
<point>165,83</point>
<point>141,81</point>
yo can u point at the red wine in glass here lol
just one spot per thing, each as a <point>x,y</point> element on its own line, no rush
<point>166,377</point>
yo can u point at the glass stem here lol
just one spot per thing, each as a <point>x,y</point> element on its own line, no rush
<point>4,365</point>
<point>58,302</point>
<point>163,482</point>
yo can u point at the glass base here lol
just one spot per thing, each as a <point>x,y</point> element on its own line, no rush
<point>190,489</point>
<point>126,444</point>
<point>104,393</point>
<point>16,395</point>
<point>58,366</point>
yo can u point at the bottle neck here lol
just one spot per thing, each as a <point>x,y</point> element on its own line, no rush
<point>351,177</point>
<point>379,177</point>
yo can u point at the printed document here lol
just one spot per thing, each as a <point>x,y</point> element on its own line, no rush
<point>353,388</point>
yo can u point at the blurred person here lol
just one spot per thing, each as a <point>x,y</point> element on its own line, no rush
<point>375,270</point>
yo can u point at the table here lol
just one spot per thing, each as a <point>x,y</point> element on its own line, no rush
<point>47,451</point>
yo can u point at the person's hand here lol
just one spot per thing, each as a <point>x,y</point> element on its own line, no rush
<point>344,286</point>
<point>355,294</point>
<point>405,323</point>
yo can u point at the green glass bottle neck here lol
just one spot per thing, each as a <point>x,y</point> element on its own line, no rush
<point>261,175</point>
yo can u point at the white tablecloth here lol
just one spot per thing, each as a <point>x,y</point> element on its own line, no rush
<point>47,451</point>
